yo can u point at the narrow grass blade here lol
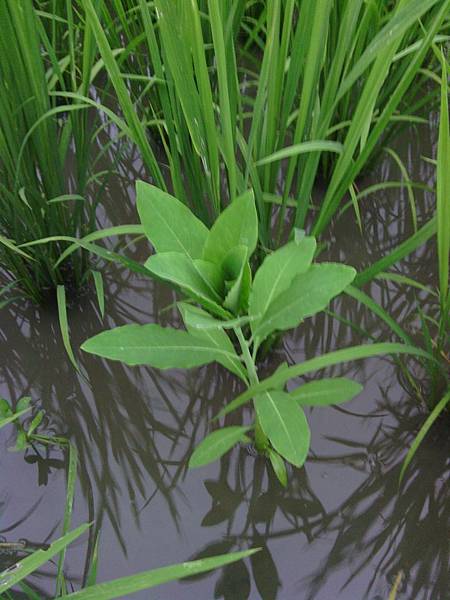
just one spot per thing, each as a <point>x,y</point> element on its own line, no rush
<point>63,323</point>
<point>100,291</point>
<point>378,310</point>
<point>412,243</point>
<point>12,418</point>
<point>92,574</point>
<point>137,128</point>
<point>302,148</point>
<point>70,493</point>
<point>321,362</point>
<point>443,189</point>
<point>440,406</point>
<point>28,565</point>
<point>121,588</point>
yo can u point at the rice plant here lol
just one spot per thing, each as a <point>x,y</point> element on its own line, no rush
<point>45,148</point>
<point>262,96</point>
<point>433,388</point>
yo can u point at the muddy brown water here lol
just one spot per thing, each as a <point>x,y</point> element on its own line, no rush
<point>341,530</point>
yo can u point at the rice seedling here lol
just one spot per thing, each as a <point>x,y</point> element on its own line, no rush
<point>433,390</point>
<point>240,100</point>
<point>45,148</point>
<point>118,588</point>
<point>229,314</point>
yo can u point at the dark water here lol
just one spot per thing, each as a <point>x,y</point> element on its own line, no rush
<point>341,530</point>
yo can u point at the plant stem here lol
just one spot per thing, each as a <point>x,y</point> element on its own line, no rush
<point>261,441</point>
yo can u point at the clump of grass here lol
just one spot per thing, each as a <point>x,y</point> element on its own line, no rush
<point>45,148</point>
<point>261,96</point>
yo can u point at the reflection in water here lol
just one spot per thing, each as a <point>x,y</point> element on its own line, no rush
<point>339,530</point>
<point>404,532</point>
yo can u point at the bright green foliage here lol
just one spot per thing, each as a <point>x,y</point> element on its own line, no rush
<point>301,90</point>
<point>217,444</point>
<point>196,321</point>
<point>308,293</point>
<point>443,195</point>
<point>276,274</point>
<point>286,289</point>
<point>285,425</point>
<point>236,226</point>
<point>121,588</point>
<point>40,136</point>
<point>326,391</point>
<point>163,348</point>
<point>118,588</point>
<point>168,223</point>
<point>7,415</point>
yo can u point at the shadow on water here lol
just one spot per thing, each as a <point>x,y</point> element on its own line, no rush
<point>340,530</point>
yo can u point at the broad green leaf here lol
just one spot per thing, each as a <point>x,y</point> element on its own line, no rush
<point>31,563</point>
<point>216,444</point>
<point>276,274</point>
<point>163,348</point>
<point>278,466</point>
<point>285,424</point>
<point>309,293</point>
<point>123,587</point>
<point>326,391</point>
<point>198,279</point>
<point>282,375</point>
<point>236,226</point>
<point>169,224</point>
<point>204,320</point>
<point>216,337</point>
<point>237,276</point>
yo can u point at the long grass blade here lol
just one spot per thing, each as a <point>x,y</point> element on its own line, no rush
<point>278,379</point>
<point>28,565</point>
<point>64,325</point>
<point>440,406</point>
<point>121,588</point>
